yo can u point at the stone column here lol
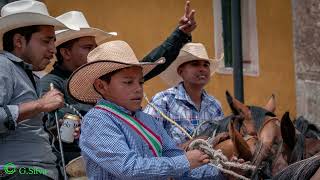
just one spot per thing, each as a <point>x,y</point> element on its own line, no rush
<point>306,22</point>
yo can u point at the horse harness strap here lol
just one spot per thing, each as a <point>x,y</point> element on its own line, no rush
<point>279,151</point>
<point>275,119</point>
<point>259,145</point>
<point>248,137</point>
<point>256,152</point>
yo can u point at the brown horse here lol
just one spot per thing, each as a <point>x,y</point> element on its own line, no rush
<point>267,149</point>
<point>251,122</point>
<point>297,146</point>
<point>304,169</point>
<point>263,150</point>
<point>233,144</point>
<point>265,126</point>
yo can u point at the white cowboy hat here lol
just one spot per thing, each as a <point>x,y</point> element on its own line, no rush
<point>27,13</point>
<point>105,58</point>
<point>189,52</point>
<point>76,18</point>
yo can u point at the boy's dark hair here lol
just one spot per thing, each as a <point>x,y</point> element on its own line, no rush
<point>66,45</point>
<point>107,77</point>
<point>27,31</point>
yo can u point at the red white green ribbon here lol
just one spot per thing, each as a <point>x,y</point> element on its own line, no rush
<point>153,140</point>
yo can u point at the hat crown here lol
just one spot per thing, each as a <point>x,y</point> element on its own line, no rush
<point>118,51</point>
<point>23,6</point>
<point>196,49</point>
<point>74,18</point>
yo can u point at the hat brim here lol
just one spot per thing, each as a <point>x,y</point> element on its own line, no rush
<point>67,35</point>
<point>80,84</point>
<point>76,167</point>
<point>171,77</point>
<point>24,19</point>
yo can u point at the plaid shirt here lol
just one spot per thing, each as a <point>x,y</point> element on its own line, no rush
<point>113,150</point>
<point>177,105</point>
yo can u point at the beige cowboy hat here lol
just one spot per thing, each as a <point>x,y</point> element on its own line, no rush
<point>189,52</point>
<point>105,58</point>
<point>27,13</point>
<point>76,18</point>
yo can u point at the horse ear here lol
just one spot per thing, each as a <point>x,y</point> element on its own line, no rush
<point>271,104</point>
<point>288,131</point>
<point>231,104</point>
<point>241,109</point>
<point>236,106</point>
<point>241,147</point>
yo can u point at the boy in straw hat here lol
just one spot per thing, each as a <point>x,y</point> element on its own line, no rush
<point>74,46</point>
<point>118,140</point>
<point>27,40</point>
<point>187,103</point>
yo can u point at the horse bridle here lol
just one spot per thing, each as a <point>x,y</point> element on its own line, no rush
<point>259,146</point>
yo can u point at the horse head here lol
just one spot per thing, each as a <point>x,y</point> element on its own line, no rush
<point>232,143</point>
<point>241,147</point>
<point>254,116</point>
<point>297,146</point>
<point>262,123</point>
<point>239,108</point>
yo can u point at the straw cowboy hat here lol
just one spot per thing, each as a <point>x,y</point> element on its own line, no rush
<point>189,52</point>
<point>76,168</point>
<point>105,58</point>
<point>27,13</point>
<point>76,18</point>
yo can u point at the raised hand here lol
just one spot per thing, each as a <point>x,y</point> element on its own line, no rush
<point>187,22</point>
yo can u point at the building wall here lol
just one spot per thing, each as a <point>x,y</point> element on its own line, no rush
<point>306,14</point>
<point>144,24</point>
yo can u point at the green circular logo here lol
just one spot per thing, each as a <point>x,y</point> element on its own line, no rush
<point>9,168</point>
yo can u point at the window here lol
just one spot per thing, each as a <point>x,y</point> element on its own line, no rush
<point>222,36</point>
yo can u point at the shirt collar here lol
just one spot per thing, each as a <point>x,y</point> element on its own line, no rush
<point>183,95</point>
<point>104,101</point>
<point>16,59</point>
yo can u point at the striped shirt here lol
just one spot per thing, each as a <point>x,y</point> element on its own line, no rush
<point>177,105</point>
<point>113,150</point>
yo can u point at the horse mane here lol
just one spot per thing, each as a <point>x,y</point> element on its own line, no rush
<point>298,150</point>
<point>216,126</point>
<point>303,169</point>
<point>308,129</point>
<point>258,115</point>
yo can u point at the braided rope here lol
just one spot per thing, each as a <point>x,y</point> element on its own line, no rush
<point>218,159</point>
<point>196,132</point>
